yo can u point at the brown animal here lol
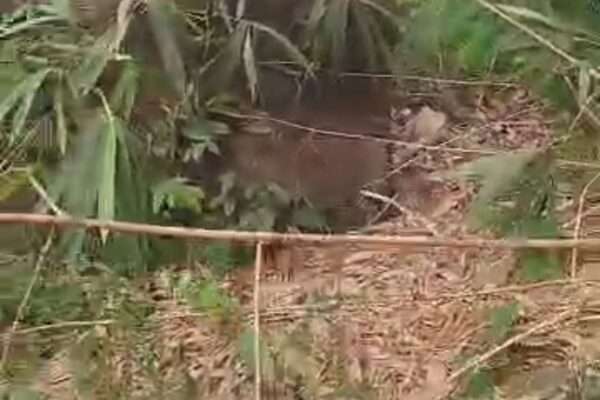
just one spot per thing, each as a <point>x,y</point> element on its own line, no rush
<point>327,169</point>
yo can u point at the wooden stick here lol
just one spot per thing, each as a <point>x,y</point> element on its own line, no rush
<point>295,238</point>
<point>257,362</point>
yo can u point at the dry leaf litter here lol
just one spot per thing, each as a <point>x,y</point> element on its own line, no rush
<point>398,321</point>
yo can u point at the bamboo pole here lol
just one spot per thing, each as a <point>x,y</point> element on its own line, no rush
<point>64,222</point>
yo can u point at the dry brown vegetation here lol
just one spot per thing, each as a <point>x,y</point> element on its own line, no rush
<point>384,155</point>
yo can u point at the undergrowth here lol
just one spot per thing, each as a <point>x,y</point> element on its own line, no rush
<point>78,118</point>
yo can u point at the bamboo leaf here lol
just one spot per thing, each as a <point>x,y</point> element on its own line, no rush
<point>24,93</point>
<point>219,71</point>
<point>250,65</point>
<point>336,27</point>
<point>61,123</point>
<point>76,183</point>
<point>27,24</point>
<point>585,85</point>
<point>30,84</point>
<point>317,13</point>
<point>87,73</point>
<point>108,161</point>
<point>125,92</point>
<point>534,16</point>
<point>292,50</point>
<point>364,26</point>
<point>162,24</point>
<point>62,9</point>
<point>382,10</point>
<point>11,182</point>
<point>497,173</point>
<point>22,113</point>
<point>528,13</point>
<point>240,9</point>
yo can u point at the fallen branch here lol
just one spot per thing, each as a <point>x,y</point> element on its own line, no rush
<point>294,238</point>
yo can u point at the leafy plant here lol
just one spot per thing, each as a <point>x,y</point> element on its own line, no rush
<point>480,386</point>
<point>333,25</point>
<point>207,297</point>
<point>516,199</point>
<point>223,258</point>
<point>502,320</point>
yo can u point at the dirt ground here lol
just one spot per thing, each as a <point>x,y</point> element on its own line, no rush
<point>403,319</point>
<point>407,323</point>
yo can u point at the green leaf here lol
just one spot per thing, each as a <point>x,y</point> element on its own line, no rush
<point>496,173</point>
<point>23,394</point>
<point>262,218</point>
<point>108,161</point>
<point>335,24</point>
<point>247,353</point>
<point>85,76</point>
<point>502,320</point>
<point>532,15</point>
<point>21,114</point>
<point>219,257</point>
<point>11,182</point>
<point>293,51</point>
<point>382,10</point>
<point>227,182</point>
<point>202,130</point>
<point>309,218</point>
<point>62,9</point>
<point>250,65</point>
<point>76,183</point>
<point>61,122</point>
<point>24,92</point>
<point>178,194</point>
<point>539,265</point>
<point>317,12</point>
<point>364,24</point>
<point>281,195</point>
<point>219,71</point>
<point>124,94</point>
<point>27,24</point>
<point>480,386</point>
<point>163,23</point>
